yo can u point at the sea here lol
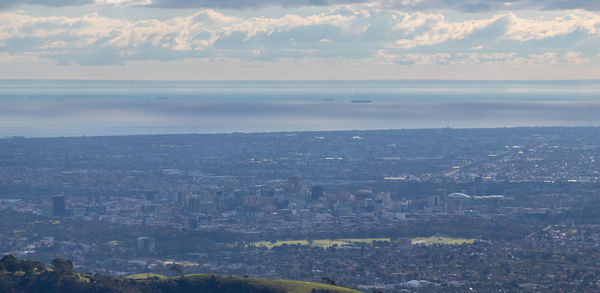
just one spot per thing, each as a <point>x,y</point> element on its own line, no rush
<point>55,108</point>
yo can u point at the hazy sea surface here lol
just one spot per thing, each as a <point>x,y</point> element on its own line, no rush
<point>35,108</point>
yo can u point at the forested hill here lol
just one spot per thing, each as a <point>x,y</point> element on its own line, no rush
<point>30,276</point>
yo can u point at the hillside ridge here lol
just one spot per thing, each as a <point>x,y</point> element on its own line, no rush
<point>32,276</point>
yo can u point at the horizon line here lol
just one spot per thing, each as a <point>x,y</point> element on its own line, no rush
<point>298,80</point>
<point>300,131</point>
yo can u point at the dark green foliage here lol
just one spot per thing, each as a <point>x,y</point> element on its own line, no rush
<point>177,269</point>
<point>328,281</point>
<point>63,267</point>
<point>9,263</point>
<point>17,276</point>
<point>208,285</point>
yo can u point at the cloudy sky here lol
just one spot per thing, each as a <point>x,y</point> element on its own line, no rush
<point>300,39</point>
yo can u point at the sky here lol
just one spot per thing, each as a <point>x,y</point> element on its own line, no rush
<point>300,39</point>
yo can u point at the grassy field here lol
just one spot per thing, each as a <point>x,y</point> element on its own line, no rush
<point>441,240</point>
<point>285,285</point>
<point>298,286</point>
<point>323,243</point>
<point>146,277</point>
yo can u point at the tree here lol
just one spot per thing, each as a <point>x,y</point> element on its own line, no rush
<point>9,263</point>
<point>62,267</point>
<point>177,269</point>
<point>326,280</point>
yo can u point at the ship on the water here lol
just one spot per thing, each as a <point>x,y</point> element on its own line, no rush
<point>364,101</point>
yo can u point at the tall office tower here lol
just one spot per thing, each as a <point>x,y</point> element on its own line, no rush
<point>316,192</point>
<point>293,184</point>
<point>58,207</point>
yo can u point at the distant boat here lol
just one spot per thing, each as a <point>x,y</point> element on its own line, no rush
<point>363,101</point>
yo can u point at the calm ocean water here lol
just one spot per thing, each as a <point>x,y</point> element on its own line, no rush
<point>74,108</point>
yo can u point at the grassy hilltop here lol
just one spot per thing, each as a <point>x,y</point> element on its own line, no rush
<point>271,284</point>
<point>28,276</point>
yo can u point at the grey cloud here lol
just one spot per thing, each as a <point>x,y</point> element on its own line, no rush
<point>247,3</point>
<point>51,3</point>
<point>188,3</point>
<point>490,5</point>
<point>388,36</point>
<point>460,5</point>
<point>415,5</point>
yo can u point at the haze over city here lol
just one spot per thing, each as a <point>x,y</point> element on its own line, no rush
<point>308,146</point>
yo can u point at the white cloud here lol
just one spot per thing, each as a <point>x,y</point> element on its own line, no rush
<point>5,57</point>
<point>423,29</point>
<point>526,29</point>
<point>414,58</point>
<point>475,58</point>
<point>120,3</point>
<point>353,32</point>
<point>436,29</point>
<point>193,32</point>
<point>544,58</point>
<point>575,57</point>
